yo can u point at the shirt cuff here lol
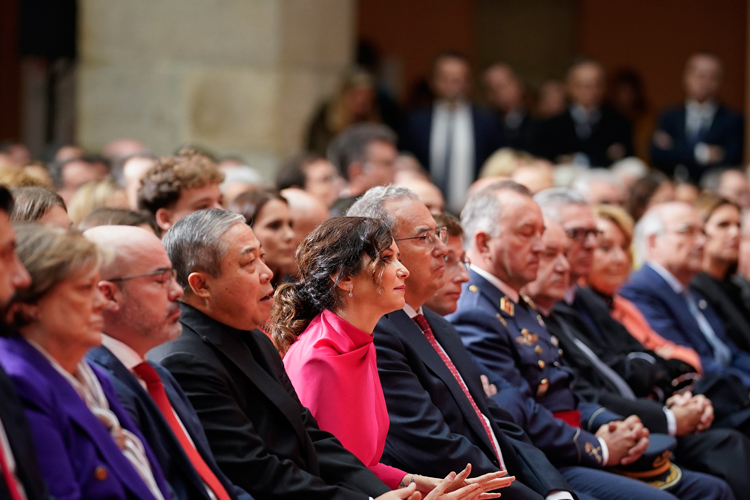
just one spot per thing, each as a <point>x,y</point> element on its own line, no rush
<point>605,452</point>
<point>671,421</point>
<point>702,153</point>
<point>559,495</point>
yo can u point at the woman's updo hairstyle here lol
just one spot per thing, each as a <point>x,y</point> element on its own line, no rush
<point>339,247</point>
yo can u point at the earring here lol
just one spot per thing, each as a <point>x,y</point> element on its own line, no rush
<point>351,287</point>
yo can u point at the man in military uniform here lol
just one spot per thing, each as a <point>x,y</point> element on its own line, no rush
<point>612,367</point>
<point>507,337</point>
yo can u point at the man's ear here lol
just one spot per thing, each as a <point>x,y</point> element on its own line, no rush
<point>164,218</point>
<point>199,285</point>
<point>112,293</point>
<point>481,243</point>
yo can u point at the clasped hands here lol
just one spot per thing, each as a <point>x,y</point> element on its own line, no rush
<point>626,440</point>
<point>452,487</point>
<point>692,413</point>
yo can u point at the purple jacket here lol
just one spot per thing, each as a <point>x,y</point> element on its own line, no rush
<point>77,456</point>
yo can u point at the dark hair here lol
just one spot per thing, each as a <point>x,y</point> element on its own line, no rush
<point>351,145</point>
<point>337,248</point>
<point>447,54</point>
<point>6,200</point>
<point>32,202</point>
<point>162,185</point>
<point>292,172</point>
<point>250,203</point>
<point>113,216</point>
<point>450,223</point>
<point>57,167</point>
<point>642,191</point>
<point>708,202</point>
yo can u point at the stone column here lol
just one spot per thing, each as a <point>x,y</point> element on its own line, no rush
<point>235,76</point>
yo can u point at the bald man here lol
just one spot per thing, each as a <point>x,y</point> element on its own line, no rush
<point>143,312</point>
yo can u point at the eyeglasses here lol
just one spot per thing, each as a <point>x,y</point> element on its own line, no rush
<point>452,262</point>
<point>431,237</point>
<point>166,276</point>
<point>580,234</point>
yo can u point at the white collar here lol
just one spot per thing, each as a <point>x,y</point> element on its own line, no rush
<point>411,312</point>
<point>673,282</point>
<point>510,292</point>
<point>709,107</point>
<point>122,351</point>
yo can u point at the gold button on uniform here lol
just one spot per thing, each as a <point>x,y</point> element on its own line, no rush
<point>541,364</point>
<point>101,473</point>
<point>473,288</point>
<point>541,390</point>
<point>538,349</point>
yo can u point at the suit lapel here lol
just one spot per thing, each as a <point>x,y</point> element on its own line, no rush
<point>88,423</point>
<point>413,334</point>
<point>227,341</point>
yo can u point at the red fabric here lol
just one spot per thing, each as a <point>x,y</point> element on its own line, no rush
<point>425,326</point>
<point>10,481</point>
<point>570,417</point>
<point>333,368</point>
<point>156,390</point>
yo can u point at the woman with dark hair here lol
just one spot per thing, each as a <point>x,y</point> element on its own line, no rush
<point>86,445</point>
<point>721,225</point>
<point>349,277</point>
<point>267,212</point>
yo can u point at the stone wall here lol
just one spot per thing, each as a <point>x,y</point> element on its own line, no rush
<point>235,76</point>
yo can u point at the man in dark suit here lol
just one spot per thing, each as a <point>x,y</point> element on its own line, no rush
<point>440,419</point>
<point>19,474</point>
<point>507,95</point>
<point>624,380</point>
<point>142,313</point>
<point>702,133</point>
<point>670,239</point>
<point>586,133</point>
<point>509,340</point>
<point>453,138</point>
<point>263,439</point>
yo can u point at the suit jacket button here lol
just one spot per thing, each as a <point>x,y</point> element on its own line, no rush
<point>541,364</point>
<point>538,349</point>
<point>101,473</point>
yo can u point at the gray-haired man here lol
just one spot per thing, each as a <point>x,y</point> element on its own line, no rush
<point>264,440</point>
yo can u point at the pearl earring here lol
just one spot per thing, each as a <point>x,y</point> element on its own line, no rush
<point>351,287</point>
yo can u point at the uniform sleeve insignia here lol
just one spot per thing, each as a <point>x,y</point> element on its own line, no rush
<point>593,451</point>
<point>507,306</point>
<point>527,338</point>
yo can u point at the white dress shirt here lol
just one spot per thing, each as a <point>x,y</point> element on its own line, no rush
<point>131,359</point>
<point>456,120</point>
<point>698,118</point>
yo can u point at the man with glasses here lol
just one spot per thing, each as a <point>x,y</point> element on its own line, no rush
<point>440,417</point>
<point>144,312</point>
<point>670,239</point>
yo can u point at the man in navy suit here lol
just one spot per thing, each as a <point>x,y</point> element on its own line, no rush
<point>702,133</point>
<point>143,312</point>
<point>18,463</point>
<point>587,133</point>
<point>509,340</point>
<point>453,137</point>
<point>670,239</point>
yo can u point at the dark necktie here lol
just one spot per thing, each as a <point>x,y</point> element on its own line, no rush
<point>157,393</point>
<point>420,320</point>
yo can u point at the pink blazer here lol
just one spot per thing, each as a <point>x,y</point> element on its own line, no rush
<point>333,368</point>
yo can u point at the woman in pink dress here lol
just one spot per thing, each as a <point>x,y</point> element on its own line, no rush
<point>350,276</point>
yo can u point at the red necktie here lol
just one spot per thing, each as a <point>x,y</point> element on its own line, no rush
<point>10,481</point>
<point>156,390</point>
<point>422,322</point>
